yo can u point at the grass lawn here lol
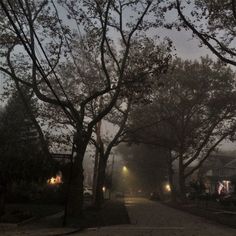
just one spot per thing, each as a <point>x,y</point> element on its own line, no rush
<point>211,210</point>
<point>16,213</point>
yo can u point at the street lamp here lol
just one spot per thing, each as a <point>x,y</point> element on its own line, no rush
<point>125,169</point>
<point>125,172</point>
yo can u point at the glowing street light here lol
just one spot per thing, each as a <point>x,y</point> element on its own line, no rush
<point>125,169</point>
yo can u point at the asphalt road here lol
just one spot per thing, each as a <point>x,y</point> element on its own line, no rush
<point>149,218</point>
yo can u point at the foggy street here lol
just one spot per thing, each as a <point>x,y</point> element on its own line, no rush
<point>153,218</point>
<point>117,117</point>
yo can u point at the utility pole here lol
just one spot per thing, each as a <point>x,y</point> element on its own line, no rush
<point>112,169</point>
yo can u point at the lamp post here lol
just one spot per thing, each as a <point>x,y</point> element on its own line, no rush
<point>125,172</point>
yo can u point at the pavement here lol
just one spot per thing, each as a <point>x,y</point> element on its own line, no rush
<point>148,218</point>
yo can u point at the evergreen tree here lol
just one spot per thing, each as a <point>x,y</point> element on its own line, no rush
<point>21,155</point>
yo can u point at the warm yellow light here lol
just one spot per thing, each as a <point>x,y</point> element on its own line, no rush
<point>103,188</point>
<point>125,169</point>
<point>167,188</point>
<point>55,180</point>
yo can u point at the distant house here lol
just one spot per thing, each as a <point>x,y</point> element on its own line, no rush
<point>220,166</point>
<point>219,169</point>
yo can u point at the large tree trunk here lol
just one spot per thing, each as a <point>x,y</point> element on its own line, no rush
<point>2,199</point>
<point>99,198</point>
<point>97,153</point>
<point>75,196</point>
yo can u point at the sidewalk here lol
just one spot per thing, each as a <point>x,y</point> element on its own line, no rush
<point>112,213</point>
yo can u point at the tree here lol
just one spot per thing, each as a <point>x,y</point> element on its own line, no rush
<point>213,22</point>
<point>104,148</point>
<point>146,62</point>
<point>36,28</point>
<point>195,112</point>
<point>21,155</point>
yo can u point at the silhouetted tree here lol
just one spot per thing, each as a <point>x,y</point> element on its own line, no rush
<point>21,155</point>
<point>191,115</point>
<point>213,22</point>
<point>36,29</point>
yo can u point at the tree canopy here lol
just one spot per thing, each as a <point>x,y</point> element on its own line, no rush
<point>191,114</point>
<point>213,22</point>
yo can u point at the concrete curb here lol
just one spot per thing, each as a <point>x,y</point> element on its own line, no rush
<point>67,233</point>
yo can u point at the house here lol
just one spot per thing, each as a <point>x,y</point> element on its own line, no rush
<point>219,173</point>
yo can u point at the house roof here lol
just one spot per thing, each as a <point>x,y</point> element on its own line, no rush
<point>220,160</point>
<point>231,164</point>
<point>216,162</point>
